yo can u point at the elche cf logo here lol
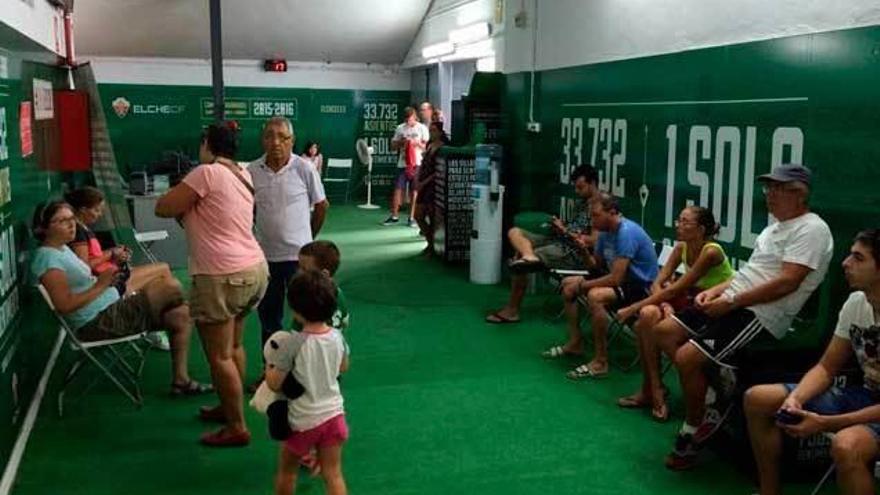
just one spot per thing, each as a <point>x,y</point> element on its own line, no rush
<point>120,106</point>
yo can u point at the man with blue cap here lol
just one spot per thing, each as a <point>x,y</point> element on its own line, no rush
<point>789,261</point>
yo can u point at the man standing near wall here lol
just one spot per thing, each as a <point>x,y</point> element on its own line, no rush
<point>285,187</point>
<point>410,139</point>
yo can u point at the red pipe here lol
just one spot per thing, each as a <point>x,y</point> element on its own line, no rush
<point>68,37</point>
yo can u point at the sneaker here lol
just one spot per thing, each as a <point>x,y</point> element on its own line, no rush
<point>412,223</point>
<point>158,341</point>
<point>684,453</point>
<point>391,221</point>
<point>712,420</point>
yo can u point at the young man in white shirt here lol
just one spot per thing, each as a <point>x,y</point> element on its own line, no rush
<point>788,263</point>
<point>410,133</point>
<point>814,405</point>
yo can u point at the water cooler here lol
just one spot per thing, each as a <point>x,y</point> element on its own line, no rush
<point>488,205</point>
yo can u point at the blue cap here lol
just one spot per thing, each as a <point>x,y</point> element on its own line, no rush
<point>788,173</point>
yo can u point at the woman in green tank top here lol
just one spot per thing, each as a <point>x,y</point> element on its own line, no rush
<point>709,266</point>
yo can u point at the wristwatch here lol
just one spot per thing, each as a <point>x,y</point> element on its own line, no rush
<point>730,298</point>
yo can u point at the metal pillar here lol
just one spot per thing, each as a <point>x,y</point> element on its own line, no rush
<point>217,61</point>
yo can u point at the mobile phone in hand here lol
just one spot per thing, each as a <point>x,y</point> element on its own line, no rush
<point>788,417</point>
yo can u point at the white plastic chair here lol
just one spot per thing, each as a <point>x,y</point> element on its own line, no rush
<point>338,173</point>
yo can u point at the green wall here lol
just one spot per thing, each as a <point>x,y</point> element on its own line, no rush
<point>700,125</point>
<point>24,348</point>
<point>148,120</point>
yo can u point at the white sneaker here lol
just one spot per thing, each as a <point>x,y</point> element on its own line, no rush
<point>159,341</point>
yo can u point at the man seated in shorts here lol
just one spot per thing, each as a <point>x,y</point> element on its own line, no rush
<point>788,263</point>
<point>626,254</point>
<point>560,250</point>
<point>814,405</point>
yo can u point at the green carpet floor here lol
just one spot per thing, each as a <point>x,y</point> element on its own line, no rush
<point>437,401</point>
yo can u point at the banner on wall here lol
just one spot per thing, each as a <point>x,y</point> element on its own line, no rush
<point>24,129</point>
<point>379,120</point>
<point>4,135</point>
<point>253,108</point>
<point>44,100</point>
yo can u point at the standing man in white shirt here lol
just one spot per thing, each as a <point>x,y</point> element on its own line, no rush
<point>286,187</point>
<point>415,134</point>
<point>788,263</point>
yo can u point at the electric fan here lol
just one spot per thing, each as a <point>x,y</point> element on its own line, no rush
<point>365,155</point>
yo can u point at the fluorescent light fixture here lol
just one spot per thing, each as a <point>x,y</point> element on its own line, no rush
<point>469,34</point>
<point>480,49</point>
<point>438,49</point>
<point>486,64</point>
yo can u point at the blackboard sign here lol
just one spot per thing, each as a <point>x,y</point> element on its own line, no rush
<point>453,204</point>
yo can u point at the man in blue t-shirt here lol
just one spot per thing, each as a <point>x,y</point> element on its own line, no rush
<point>626,256</point>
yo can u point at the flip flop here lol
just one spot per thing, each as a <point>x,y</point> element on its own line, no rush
<point>660,413</point>
<point>634,401</point>
<point>521,266</point>
<point>557,351</point>
<point>190,388</point>
<point>500,319</point>
<point>585,371</point>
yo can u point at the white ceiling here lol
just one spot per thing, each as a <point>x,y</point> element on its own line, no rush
<point>375,31</point>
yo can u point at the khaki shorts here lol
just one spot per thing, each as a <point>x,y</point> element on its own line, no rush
<point>552,252</point>
<point>219,298</point>
<point>128,316</point>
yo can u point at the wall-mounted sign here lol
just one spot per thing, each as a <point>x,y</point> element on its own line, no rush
<point>4,136</point>
<point>122,107</point>
<point>252,108</point>
<point>24,128</point>
<point>44,106</point>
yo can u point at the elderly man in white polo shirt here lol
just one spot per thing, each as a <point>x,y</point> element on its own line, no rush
<point>286,187</point>
<point>788,263</point>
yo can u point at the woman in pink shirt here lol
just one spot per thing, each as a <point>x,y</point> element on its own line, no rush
<point>215,204</point>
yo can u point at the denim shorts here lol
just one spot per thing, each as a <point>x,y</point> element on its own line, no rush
<point>841,401</point>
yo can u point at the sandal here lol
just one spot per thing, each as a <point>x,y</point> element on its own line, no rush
<point>557,351</point>
<point>190,388</point>
<point>585,371</point>
<point>498,319</point>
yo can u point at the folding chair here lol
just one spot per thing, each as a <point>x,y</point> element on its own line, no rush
<point>338,175</point>
<point>120,360</point>
<point>616,328</point>
<point>143,241</point>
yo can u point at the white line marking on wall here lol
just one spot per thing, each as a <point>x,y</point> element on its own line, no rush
<point>793,99</point>
<point>30,419</point>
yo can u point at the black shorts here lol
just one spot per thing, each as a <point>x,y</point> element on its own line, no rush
<point>720,338</point>
<point>629,293</point>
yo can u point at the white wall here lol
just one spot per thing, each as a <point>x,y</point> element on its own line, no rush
<point>579,32</point>
<point>36,20</point>
<point>446,15</point>
<point>248,73</point>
